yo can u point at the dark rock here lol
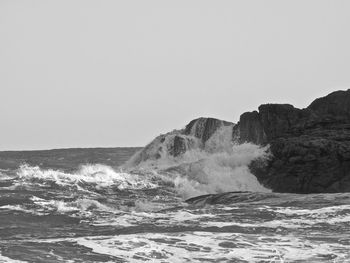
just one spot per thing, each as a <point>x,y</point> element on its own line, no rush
<point>271,122</point>
<point>204,128</point>
<point>179,145</point>
<point>310,147</point>
<point>177,142</point>
<point>251,129</point>
<point>336,104</point>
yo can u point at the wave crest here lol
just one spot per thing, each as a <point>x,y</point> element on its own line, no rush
<point>221,172</point>
<point>220,165</point>
<point>100,176</point>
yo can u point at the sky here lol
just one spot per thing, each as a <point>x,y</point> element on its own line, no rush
<point>92,73</point>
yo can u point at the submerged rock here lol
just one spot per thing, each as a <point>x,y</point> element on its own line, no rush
<point>229,198</point>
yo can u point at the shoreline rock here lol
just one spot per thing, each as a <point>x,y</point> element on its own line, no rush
<point>196,135</point>
<point>310,147</point>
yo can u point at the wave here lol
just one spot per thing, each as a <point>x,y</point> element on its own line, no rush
<point>219,165</point>
<point>101,176</point>
<point>76,208</point>
<point>9,260</point>
<point>221,172</point>
<point>80,205</point>
<point>216,166</point>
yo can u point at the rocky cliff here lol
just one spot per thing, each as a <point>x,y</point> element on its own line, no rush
<point>310,147</point>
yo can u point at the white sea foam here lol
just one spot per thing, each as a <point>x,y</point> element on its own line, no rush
<point>300,242</point>
<point>4,259</point>
<point>221,172</point>
<point>81,206</point>
<point>99,175</point>
<point>220,167</point>
<point>215,167</point>
<point>24,209</point>
<point>311,212</point>
<point>4,176</point>
<point>207,246</point>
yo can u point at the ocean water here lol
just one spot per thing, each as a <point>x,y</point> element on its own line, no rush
<point>86,206</point>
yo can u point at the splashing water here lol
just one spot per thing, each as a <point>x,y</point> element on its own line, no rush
<point>100,175</point>
<point>138,214</point>
<point>218,166</point>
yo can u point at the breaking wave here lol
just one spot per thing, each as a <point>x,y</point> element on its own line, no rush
<point>218,166</point>
<point>101,176</point>
<point>220,172</point>
<point>98,213</point>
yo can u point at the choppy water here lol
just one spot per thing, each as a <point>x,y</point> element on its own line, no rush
<point>96,213</point>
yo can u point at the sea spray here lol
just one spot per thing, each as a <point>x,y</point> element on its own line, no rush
<point>215,169</point>
<point>219,165</point>
<point>221,172</point>
<point>78,216</point>
<point>97,175</point>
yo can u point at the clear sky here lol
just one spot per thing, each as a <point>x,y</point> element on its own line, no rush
<point>88,73</point>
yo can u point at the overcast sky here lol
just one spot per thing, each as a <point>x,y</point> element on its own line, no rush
<point>88,73</point>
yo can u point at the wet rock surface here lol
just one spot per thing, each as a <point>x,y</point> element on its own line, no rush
<point>310,147</point>
<point>174,144</point>
<point>204,128</point>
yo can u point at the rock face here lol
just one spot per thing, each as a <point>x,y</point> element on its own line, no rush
<point>335,105</point>
<point>174,144</point>
<point>204,128</point>
<point>310,147</point>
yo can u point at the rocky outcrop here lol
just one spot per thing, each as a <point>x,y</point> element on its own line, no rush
<point>310,147</point>
<point>196,135</point>
<point>336,105</point>
<point>204,128</point>
<point>250,128</point>
<point>271,122</point>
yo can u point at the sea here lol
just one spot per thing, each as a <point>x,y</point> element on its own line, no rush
<point>94,205</point>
